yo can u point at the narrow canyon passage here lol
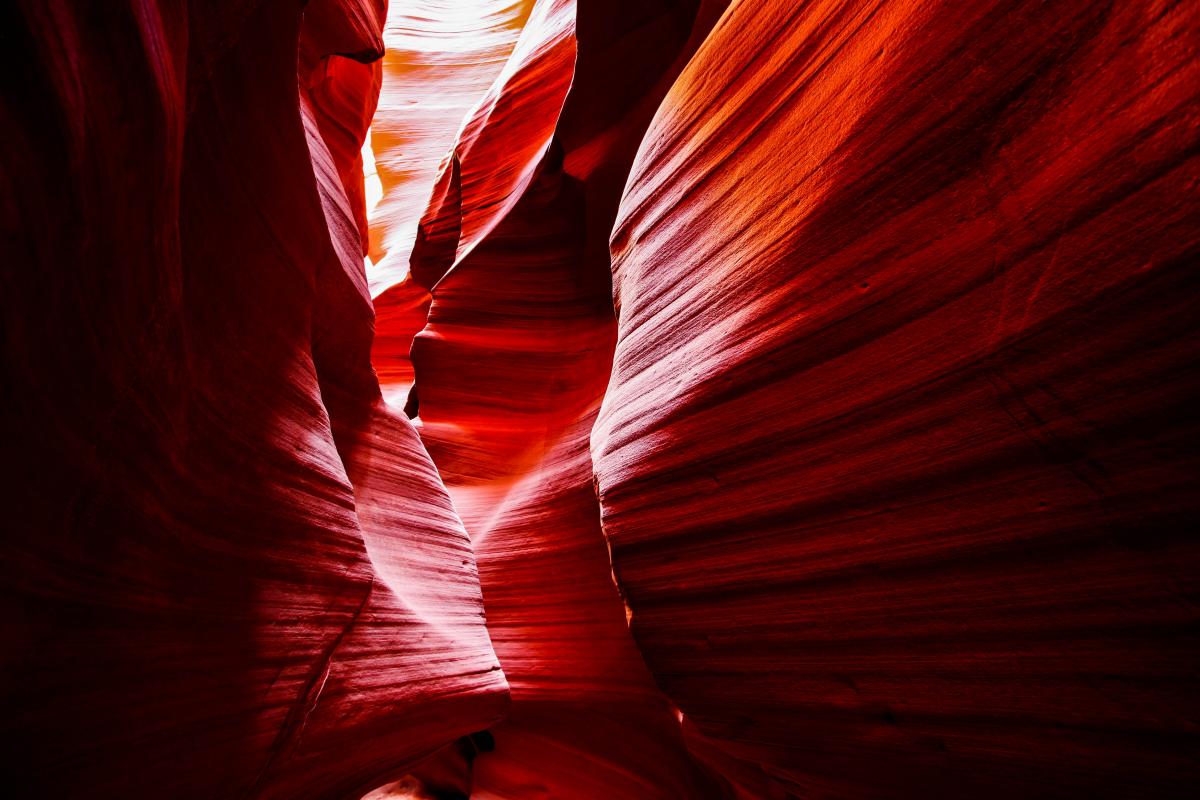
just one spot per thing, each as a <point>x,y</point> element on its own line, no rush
<point>600,399</point>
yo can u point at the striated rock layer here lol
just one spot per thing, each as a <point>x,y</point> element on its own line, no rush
<point>879,482</point>
<point>898,462</point>
<point>510,369</point>
<point>229,569</point>
<point>442,56</point>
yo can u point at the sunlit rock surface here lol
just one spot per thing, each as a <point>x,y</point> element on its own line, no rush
<point>441,58</point>
<point>510,369</point>
<point>898,462</point>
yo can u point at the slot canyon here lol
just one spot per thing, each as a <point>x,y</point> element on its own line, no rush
<point>600,399</point>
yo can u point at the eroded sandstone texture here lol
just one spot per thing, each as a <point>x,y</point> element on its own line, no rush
<point>229,569</point>
<point>898,461</point>
<point>510,368</point>
<point>805,391</point>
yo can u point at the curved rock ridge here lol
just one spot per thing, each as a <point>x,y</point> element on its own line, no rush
<point>340,74</point>
<point>505,137</point>
<point>491,162</point>
<point>509,375</point>
<point>230,570</point>
<point>441,58</point>
<point>898,459</point>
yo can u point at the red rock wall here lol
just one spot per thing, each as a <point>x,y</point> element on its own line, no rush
<point>803,391</point>
<point>898,461</point>
<point>229,569</point>
<point>442,56</point>
<point>510,369</point>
